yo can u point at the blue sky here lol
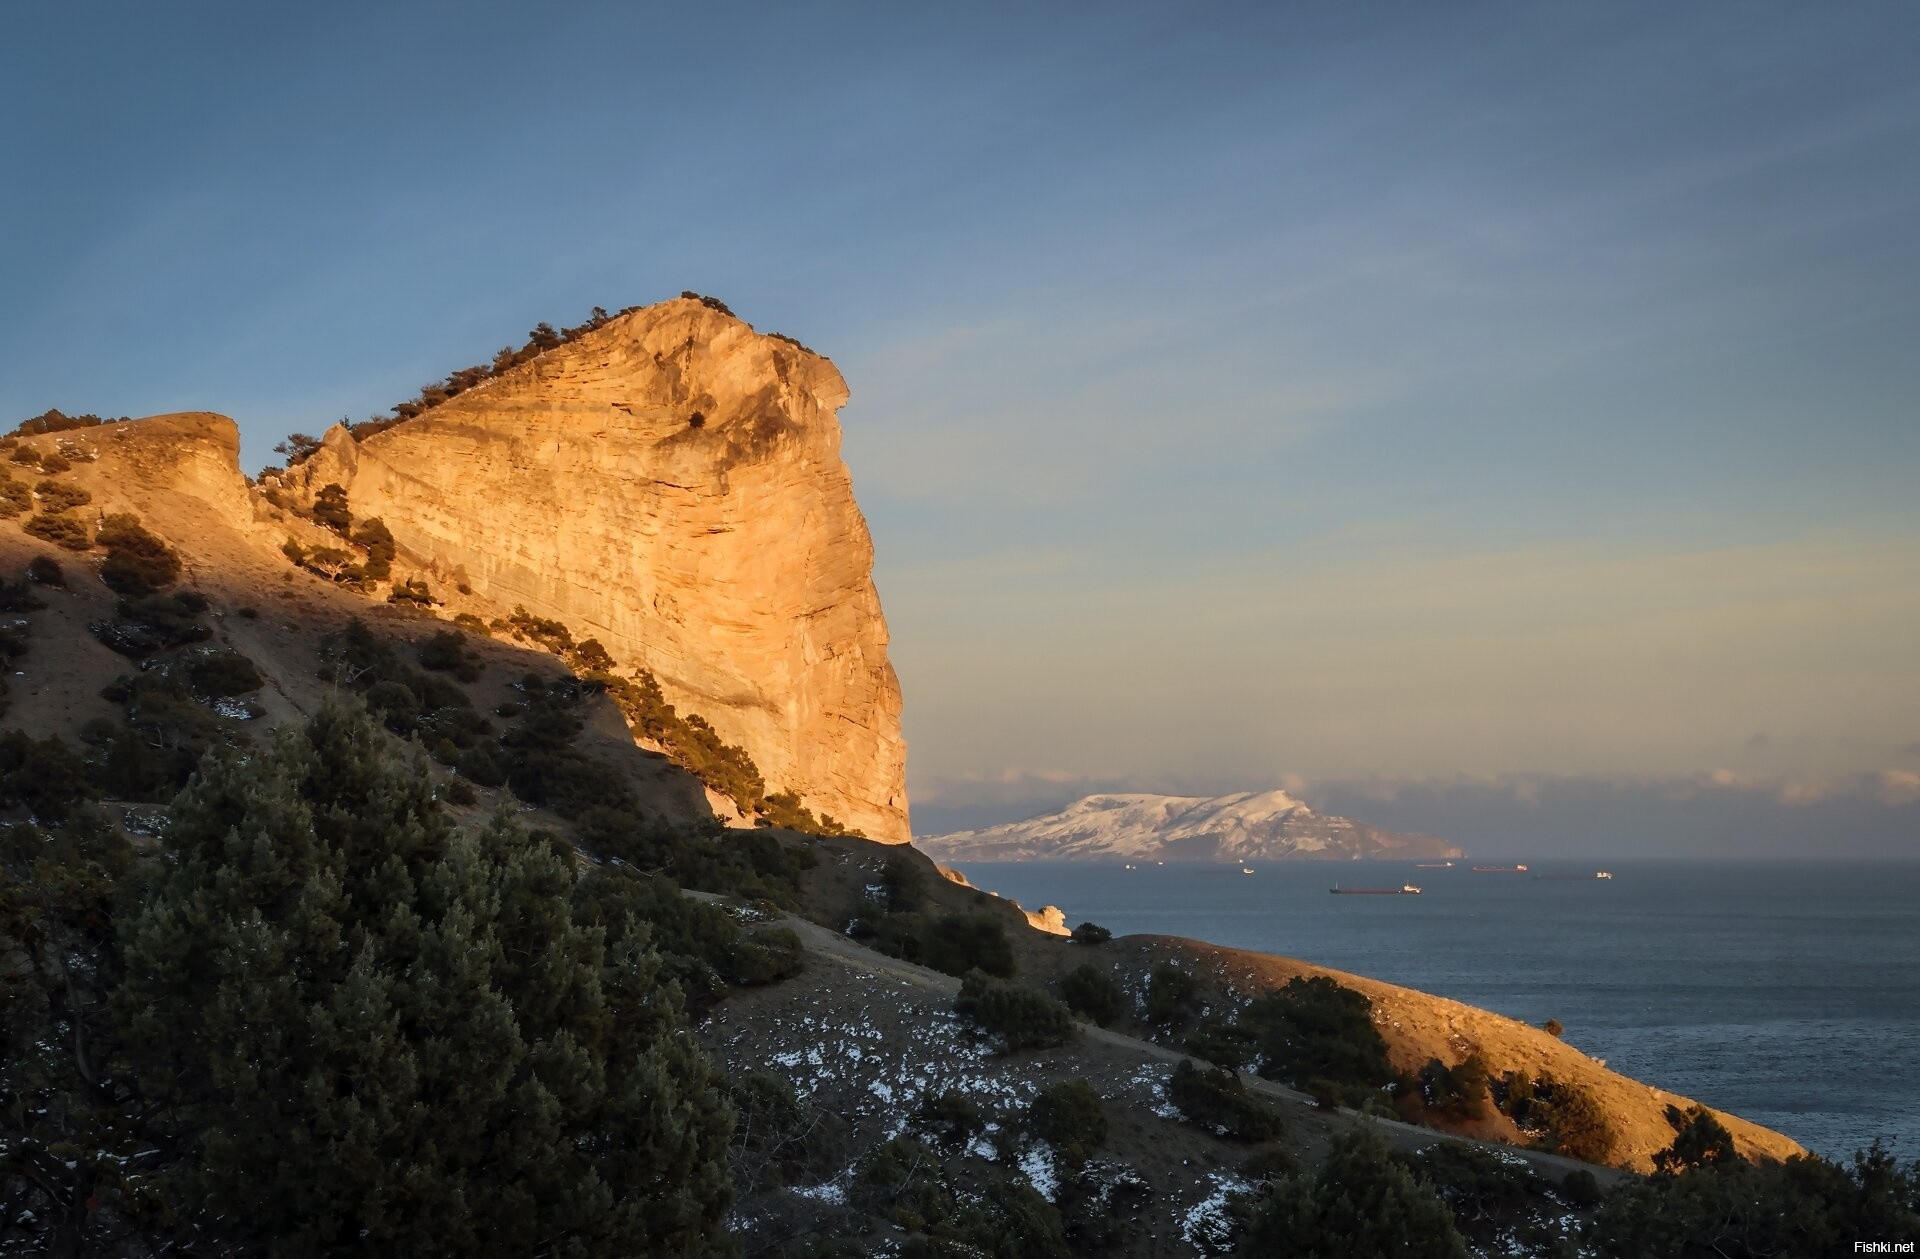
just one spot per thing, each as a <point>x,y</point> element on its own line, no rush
<point>1241,394</point>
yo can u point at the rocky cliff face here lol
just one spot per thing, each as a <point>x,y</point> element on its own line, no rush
<point>670,484</point>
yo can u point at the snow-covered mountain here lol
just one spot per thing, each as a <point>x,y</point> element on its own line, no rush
<point>1264,825</point>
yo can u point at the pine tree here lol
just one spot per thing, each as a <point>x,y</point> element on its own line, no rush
<point>1360,1202</point>
<point>386,1035</point>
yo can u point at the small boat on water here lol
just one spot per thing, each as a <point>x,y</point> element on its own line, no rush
<point>1574,878</point>
<point>1433,865</point>
<point>1405,889</point>
<point>1499,869</point>
<point>1246,869</point>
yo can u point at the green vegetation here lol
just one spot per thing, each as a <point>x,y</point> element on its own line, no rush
<point>1317,1031</point>
<point>67,532</point>
<point>165,728</point>
<point>15,498</point>
<point>1568,1118</point>
<point>330,508</point>
<point>1019,1017</point>
<point>52,421</point>
<point>1068,1116</point>
<point>1700,1140</point>
<point>151,623</point>
<point>1218,1102</point>
<point>44,570</point>
<point>1092,995</point>
<point>1171,996</point>
<point>370,990</point>
<point>372,536</point>
<point>137,563</point>
<point>953,943</point>
<point>544,337</point>
<point>57,496</point>
<point>1091,933</point>
<point>1727,1207</point>
<point>1459,1094</point>
<point>1361,1201</point>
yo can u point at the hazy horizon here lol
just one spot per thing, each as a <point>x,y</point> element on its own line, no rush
<point>1494,419</point>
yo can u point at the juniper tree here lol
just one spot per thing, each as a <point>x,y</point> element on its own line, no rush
<point>381,1034</point>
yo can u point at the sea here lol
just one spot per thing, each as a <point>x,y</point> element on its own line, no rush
<point>1787,993</point>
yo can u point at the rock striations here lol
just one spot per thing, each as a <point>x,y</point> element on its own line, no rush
<point>669,483</point>
<point>1248,826</point>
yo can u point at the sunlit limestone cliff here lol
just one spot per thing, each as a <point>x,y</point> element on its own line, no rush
<point>669,483</point>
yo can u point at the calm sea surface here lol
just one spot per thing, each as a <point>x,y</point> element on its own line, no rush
<point>1788,994</point>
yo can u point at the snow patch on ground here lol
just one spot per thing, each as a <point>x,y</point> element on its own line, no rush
<point>1208,1224</point>
<point>1036,1164</point>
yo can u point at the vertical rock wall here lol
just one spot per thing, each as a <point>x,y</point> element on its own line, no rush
<point>670,484</point>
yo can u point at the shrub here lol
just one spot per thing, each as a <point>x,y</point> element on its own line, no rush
<point>1489,1194</point>
<point>958,943</point>
<point>949,1117</point>
<point>1217,1101</point>
<point>1700,1140</point>
<point>15,498</point>
<point>44,570</point>
<point>166,732</point>
<point>1804,1206</point>
<point>222,672</point>
<point>150,623</point>
<point>26,454</point>
<point>767,956</point>
<point>330,508</point>
<point>1361,1201</point>
<point>1021,1017</point>
<point>57,496</point>
<point>1222,1042</point>
<point>18,596</point>
<point>1068,1116</point>
<point>1092,995</point>
<point>903,883</point>
<point>1572,1120</point>
<point>445,651</point>
<point>1316,1029</point>
<point>591,657</point>
<point>54,461</point>
<point>552,635</point>
<point>137,563</point>
<point>1458,1092</point>
<point>1091,933</point>
<point>1553,1028</point>
<point>45,775</point>
<point>1170,995</point>
<point>373,535</point>
<point>54,421</point>
<point>69,532</point>
<point>412,590</point>
<point>468,621</point>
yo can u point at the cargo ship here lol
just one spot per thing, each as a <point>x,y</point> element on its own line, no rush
<point>1433,865</point>
<point>1583,878</point>
<point>1499,869</point>
<point>1405,889</point>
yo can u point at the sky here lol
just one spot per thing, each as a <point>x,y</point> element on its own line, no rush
<point>1497,420</point>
